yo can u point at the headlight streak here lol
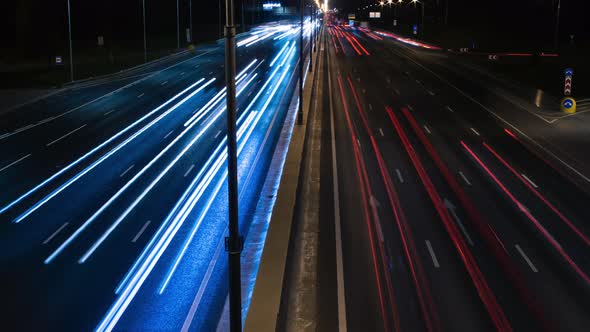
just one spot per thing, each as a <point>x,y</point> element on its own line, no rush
<point>218,97</point>
<point>223,159</point>
<point>77,161</point>
<point>114,197</point>
<point>110,153</point>
<point>243,72</point>
<point>144,193</point>
<point>214,103</point>
<point>280,53</point>
<point>132,286</point>
<point>192,201</point>
<point>289,54</point>
<point>128,275</point>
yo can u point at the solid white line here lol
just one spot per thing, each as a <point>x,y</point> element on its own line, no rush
<point>342,326</point>
<point>195,305</point>
<point>15,162</point>
<point>4,136</point>
<point>526,258</point>
<point>141,231</point>
<point>381,132</point>
<point>580,174</point>
<point>141,95</point>
<point>475,131</point>
<point>164,83</point>
<point>109,112</point>
<point>66,135</point>
<point>171,131</point>
<point>127,170</point>
<point>450,109</point>
<point>399,175</point>
<point>530,181</point>
<point>189,170</point>
<point>109,94</point>
<point>432,254</point>
<point>464,178</point>
<point>427,130</point>
<point>55,233</point>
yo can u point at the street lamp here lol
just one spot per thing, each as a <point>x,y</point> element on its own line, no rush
<point>144,34</point>
<point>234,242</point>
<point>190,14</point>
<point>70,38</point>
<point>300,110</point>
<point>556,37</point>
<point>422,20</point>
<point>177,25</point>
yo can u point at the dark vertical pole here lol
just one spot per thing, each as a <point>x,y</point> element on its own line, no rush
<point>177,24</point>
<point>190,11</point>
<point>447,12</point>
<point>144,35</point>
<point>300,111</point>
<point>220,30</point>
<point>242,3</point>
<point>254,8</point>
<point>233,243</point>
<point>70,38</point>
<point>422,21</point>
<point>310,39</point>
<point>556,37</point>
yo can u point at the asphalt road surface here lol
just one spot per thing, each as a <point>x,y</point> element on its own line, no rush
<point>114,202</point>
<point>449,218</point>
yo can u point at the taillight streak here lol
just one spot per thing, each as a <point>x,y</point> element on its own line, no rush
<point>488,298</point>
<point>429,312</point>
<point>538,194</point>
<point>529,216</point>
<point>364,181</point>
<point>485,230</point>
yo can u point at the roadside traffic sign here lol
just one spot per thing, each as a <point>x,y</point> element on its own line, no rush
<point>567,90</point>
<point>568,105</point>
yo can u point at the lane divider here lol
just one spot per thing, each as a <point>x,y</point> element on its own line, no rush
<point>488,298</point>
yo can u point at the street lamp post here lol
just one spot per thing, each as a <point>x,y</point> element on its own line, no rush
<point>177,25</point>
<point>190,14</point>
<point>422,21</point>
<point>234,243</point>
<point>144,34</point>
<point>557,16</point>
<point>300,110</point>
<point>447,12</point>
<point>70,38</point>
<point>310,39</point>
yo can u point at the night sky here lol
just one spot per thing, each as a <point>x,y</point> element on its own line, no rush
<point>529,15</point>
<point>40,27</point>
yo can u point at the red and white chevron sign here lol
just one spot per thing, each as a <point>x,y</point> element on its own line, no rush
<point>568,82</point>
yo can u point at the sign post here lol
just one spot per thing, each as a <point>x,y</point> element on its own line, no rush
<point>568,104</point>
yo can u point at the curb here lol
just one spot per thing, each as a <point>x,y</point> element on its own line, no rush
<point>265,305</point>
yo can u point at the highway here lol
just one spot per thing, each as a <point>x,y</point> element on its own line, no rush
<point>114,199</point>
<point>450,216</point>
